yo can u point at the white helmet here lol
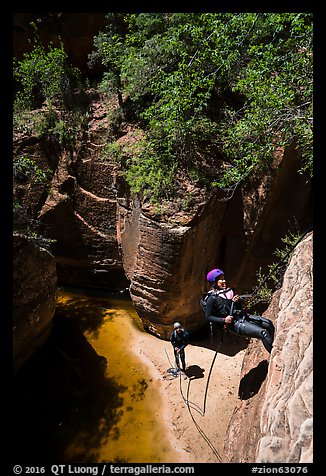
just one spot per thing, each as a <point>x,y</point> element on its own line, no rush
<point>176,325</point>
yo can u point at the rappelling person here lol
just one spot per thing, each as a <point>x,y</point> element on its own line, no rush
<point>227,309</point>
<point>179,340</point>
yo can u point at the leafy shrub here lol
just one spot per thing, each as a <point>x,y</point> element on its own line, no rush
<point>43,75</point>
<point>25,168</point>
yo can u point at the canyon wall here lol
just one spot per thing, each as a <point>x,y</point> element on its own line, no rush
<point>104,238</point>
<point>276,397</point>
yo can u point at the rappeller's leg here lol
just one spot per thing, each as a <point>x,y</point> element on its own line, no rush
<point>177,361</point>
<point>250,329</point>
<point>264,323</point>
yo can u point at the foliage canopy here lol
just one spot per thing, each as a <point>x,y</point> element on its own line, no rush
<point>226,88</point>
<point>240,82</point>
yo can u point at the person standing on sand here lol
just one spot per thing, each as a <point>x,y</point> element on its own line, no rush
<point>179,340</point>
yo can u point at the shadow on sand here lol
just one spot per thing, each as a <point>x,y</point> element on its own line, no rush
<point>214,338</point>
<point>230,344</point>
<point>194,371</point>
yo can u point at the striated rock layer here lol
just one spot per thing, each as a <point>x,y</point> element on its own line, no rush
<point>174,257</point>
<point>277,397</point>
<point>80,214</point>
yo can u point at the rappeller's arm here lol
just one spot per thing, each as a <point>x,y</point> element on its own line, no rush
<point>229,319</point>
<point>174,343</point>
<point>185,341</point>
<point>237,304</point>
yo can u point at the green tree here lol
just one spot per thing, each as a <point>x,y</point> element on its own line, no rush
<point>276,81</point>
<point>242,83</point>
<point>110,47</point>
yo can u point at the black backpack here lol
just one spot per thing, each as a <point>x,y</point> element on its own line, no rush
<point>205,296</point>
<point>203,302</point>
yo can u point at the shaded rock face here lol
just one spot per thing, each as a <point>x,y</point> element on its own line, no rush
<point>30,194</point>
<point>272,205</point>
<point>78,207</point>
<point>34,298</point>
<point>279,410</point>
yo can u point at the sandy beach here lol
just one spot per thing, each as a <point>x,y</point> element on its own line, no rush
<point>197,409</point>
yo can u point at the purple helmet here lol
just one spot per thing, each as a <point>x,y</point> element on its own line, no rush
<point>212,275</point>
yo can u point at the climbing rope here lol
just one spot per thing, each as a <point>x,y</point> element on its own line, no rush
<point>194,406</point>
<point>202,433</point>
